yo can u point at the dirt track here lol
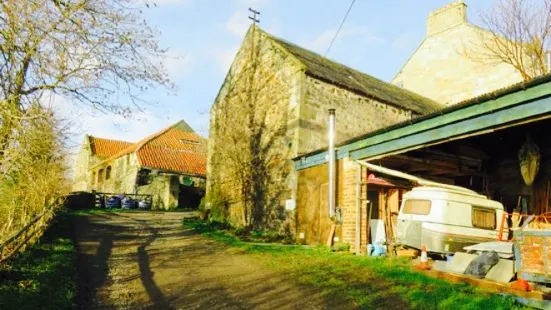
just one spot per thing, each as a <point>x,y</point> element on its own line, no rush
<point>148,261</point>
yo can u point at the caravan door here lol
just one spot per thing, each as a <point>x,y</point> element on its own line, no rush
<point>410,221</point>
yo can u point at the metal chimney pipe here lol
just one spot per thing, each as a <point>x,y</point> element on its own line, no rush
<point>331,163</point>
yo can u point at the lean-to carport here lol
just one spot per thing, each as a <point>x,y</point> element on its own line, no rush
<point>456,145</point>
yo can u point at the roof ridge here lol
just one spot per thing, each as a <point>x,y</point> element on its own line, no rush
<point>301,54</point>
<point>136,146</point>
<point>115,140</point>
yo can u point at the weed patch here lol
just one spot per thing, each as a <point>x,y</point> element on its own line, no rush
<point>245,235</point>
<point>43,277</point>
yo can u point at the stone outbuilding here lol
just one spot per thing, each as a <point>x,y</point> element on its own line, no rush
<point>448,65</point>
<point>93,151</point>
<point>306,86</point>
<point>169,166</point>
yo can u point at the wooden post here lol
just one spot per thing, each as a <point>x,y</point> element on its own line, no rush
<point>358,209</point>
<point>369,210</point>
<point>500,235</point>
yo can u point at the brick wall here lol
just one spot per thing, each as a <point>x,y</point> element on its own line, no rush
<point>348,205</point>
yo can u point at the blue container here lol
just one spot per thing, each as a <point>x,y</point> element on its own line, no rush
<point>378,250</point>
<point>369,249</point>
<point>144,205</point>
<point>128,203</point>
<point>113,202</point>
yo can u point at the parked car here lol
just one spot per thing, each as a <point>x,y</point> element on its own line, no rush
<point>447,220</point>
<point>113,202</point>
<point>144,204</point>
<point>128,203</point>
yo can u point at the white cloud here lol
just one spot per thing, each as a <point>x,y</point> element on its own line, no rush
<point>179,64</point>
<point>225,57</point>
<point>83,119</point>
<point>238,23</point>
<point>363,33</point>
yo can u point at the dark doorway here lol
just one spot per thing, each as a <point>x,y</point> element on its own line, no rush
<point>189,197</point>
<point>373,198</point>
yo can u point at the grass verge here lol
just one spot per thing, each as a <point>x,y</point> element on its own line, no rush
<point>386,283</point>
<point>43,277</point>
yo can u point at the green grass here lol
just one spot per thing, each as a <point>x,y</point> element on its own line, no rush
<point>43,277</point>
<point>368,281</point>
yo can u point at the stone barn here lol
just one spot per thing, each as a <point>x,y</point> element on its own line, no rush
<point>169,165</point>
<point>295,88</point>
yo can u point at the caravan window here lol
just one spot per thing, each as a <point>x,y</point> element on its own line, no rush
<point>417,206</point>
<point>484,218</point>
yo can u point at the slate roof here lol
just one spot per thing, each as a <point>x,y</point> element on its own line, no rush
<point>105,148</point>
<point>176,148</point>
<point>363,84</point>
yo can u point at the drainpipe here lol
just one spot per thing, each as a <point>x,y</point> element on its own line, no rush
<point>331,163</point>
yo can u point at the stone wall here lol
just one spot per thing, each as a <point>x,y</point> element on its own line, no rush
<point>447,66</point>
<point>274,92</point>
<point>160,190</point>
<point>355,114</point>
<point>122,178</point>
<point>446,17</point>
<point>81,170</point>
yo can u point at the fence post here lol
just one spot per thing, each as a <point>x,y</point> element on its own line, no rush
<point>500,236</point>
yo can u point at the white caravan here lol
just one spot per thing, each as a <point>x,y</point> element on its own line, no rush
<point>446,220</point>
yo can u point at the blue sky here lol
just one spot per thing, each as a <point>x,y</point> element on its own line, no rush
<point>204,35</point>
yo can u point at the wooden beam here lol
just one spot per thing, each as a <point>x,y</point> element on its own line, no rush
<point>448,132</point>
<point>507,103</point>
<point>490,286</point>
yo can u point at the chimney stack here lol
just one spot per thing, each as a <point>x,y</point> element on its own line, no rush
<point>453,14</point>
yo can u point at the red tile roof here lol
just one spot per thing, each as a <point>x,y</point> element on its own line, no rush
<point>175,150</point>
<point>171,149</point>
<point>105,148</point>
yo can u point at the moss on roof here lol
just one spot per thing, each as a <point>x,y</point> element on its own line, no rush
<point>338,74</point>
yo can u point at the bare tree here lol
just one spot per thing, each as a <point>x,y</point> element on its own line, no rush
<point>250,147</point>
<point>88,51</point>
<point>91,52</point>
<point>519,34</point>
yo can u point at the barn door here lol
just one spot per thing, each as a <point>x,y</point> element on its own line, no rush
<point>323,213</point>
